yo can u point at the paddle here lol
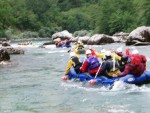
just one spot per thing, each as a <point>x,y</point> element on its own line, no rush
<point>114,60</point>
<point>98,70</point>
<point>93,81</point>
<point>64,78</point>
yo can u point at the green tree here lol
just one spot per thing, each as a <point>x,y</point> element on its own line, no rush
<point>115,15</point>
<point>121,21</point>
<point>75,22</point>
<point>145,17</point>
<point>46,11</point>
<point>6,19</point>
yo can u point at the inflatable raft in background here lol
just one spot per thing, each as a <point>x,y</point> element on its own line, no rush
<point>80,51</point>
<point>130,79</point>
<point>64,45</point>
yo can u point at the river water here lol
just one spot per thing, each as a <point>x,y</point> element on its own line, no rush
<point>33,85</point>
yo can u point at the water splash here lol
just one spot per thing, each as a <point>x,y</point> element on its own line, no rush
<point>117,87</point>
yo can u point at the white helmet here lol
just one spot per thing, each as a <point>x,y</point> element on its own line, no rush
<point>72,54</point>
<point>79,41</point>
<point>119,50</point>
<point>107,53</point>
<point>88,52</point>
<point>103,51</point>
<point>135,51</point>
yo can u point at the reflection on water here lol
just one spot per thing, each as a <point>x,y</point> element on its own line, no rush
<point>33,85</point>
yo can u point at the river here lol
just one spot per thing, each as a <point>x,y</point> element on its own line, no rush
<point>33,85</point>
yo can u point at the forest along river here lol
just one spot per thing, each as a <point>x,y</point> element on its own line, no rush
<point>34,85</point>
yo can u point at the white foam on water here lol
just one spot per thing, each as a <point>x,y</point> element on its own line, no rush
<point>62,55</point>
<point>79,85</point>
<point>50,46</point>
<point>84,86</point>
<point>117,110</point>
<point>117,87</point>
<point>57,51</point>
<point>121,86</point>
<point>148,59</point>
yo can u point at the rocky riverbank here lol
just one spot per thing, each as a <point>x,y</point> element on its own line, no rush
<point>139,36</point>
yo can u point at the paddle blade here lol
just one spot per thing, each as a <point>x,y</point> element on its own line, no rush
<point>92,82</point>
<point>64,78</point>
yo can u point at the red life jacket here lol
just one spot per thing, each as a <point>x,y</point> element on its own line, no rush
<point>137,59</point>
<point>137,66</point>
<point>143,60</point>
<point>137,70</point>
<point>142,57</point>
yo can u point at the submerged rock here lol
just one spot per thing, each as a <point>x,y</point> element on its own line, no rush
<point>49,43</point>
<point>42,46</point>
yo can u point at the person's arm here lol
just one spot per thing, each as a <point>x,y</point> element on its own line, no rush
<point>128,52</point>
<point>68,67</point>
<point>116,56</point>
<point>84,67</point>
<point>125,72</point>
<point>100,55</point>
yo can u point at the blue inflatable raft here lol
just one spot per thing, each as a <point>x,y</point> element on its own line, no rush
<point>64,45</point>
<point>131,79</point>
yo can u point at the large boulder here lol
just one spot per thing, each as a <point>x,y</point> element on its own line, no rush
<point>120,37</point>
<point>5,44</point>
<point>139,35</point>
<point>84,39</point>
<point>99,39</point>
<point>12,50</point>
<point>74,39</point>
<point>4,55</point>
<point>62,35</point>
<point>57,40</point>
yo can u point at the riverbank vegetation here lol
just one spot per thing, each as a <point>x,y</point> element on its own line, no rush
<point>42,18</point>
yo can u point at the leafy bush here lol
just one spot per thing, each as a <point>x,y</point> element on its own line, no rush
<point>45,32</point>
<point>29,34</point>
<point>9,33</point>
<point>2,34</point>
<point>83,33</point>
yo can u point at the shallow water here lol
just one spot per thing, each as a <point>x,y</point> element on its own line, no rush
<point>33,85</point>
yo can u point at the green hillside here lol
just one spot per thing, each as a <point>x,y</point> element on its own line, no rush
<point>45,17</point>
